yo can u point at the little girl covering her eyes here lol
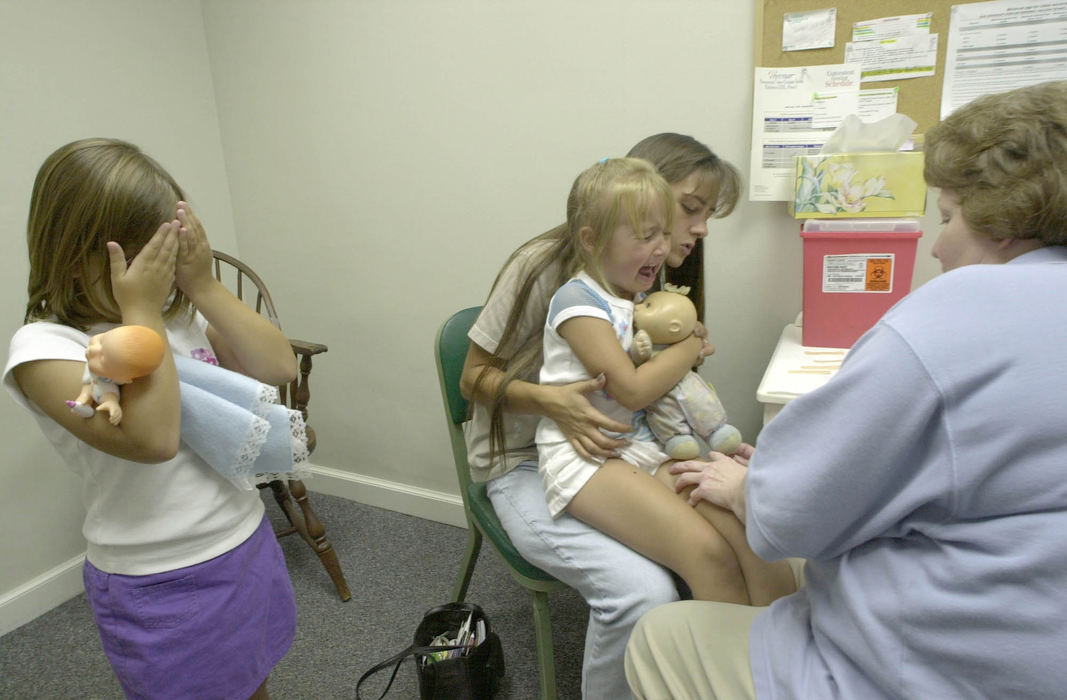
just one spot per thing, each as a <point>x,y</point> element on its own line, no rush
<point>619,216</point>
<point>188,586</point>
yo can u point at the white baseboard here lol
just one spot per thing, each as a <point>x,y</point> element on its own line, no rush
<point>40,594</point>
<point>63,582</point>
<point>412,500</point>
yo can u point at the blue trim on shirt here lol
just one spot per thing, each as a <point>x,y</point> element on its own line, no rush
<point>578,293</point>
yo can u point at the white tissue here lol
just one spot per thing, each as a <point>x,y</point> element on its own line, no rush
<point>855,135</point>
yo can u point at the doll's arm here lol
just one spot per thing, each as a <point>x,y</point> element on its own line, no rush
<point>641,349</point>
<point>243,340</point>
<point>594,342</point>
<point>86,394</point>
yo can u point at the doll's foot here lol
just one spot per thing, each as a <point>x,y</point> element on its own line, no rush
<point>80,409</point>
<point>726,440</point>
<point>682,447</point>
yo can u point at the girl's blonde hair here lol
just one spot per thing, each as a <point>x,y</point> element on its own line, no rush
<point>519,357</point>
<point>87,193</point>
<point>608,194</point>
<point>1005,157</point>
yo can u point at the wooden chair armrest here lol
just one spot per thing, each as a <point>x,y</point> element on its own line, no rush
<point>306,348</point>
<point>297,393</point>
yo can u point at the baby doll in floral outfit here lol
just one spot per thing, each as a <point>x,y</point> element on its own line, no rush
<point>692,406</point>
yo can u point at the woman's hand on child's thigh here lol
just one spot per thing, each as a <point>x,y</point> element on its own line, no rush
<point>194,252</point>
<point>720,480</point>
<point>148,280</point>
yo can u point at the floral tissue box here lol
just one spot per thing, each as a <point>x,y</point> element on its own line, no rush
<point>846,185</point>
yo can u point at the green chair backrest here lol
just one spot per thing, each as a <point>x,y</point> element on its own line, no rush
<point>450,350</point>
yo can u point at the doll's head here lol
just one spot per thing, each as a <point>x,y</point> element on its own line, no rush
<point>125,353</point>
<point>666,316</point>
<point>87,193</point>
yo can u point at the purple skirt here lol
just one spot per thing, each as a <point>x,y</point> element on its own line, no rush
<point>210,630</point>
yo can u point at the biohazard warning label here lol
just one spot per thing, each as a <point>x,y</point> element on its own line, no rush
<point>858,272</point>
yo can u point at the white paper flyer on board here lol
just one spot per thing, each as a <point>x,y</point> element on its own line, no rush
<point>1002,45</point>
<point>794,111</point>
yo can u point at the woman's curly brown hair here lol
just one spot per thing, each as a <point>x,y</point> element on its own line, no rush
<point>1005,157</point>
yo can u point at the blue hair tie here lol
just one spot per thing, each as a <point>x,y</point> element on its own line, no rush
<point>602,161</point>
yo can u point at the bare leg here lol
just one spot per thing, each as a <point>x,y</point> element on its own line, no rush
<point>765,581</point>
<point>86,395</point>
<point>639,511</point>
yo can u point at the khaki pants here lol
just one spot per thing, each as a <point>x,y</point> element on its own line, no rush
<point>694,650</point>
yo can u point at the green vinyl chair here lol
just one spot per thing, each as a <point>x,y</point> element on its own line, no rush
<point>450,351</point>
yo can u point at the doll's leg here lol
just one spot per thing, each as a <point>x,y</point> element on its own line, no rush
<point>633,507</point>
<point>110,402</point>
<point>668,423</point>
<point>765,581</point>
<point>81,406</point>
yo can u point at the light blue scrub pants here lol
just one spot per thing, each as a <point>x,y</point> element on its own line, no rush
<point>619,584</point>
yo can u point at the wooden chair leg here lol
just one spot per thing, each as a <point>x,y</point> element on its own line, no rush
<point>474,547</point>
<point>281,497</point>
<point>546,664</point>
<point>314,533</point>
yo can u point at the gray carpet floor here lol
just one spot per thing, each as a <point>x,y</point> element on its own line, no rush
<point>397,567</point>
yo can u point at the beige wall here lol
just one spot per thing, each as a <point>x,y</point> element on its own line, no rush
<point>382,158</point>
<point>385,157</point>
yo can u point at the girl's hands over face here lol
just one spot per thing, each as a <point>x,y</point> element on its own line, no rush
<point>144,286</point>
<point>193,269</point>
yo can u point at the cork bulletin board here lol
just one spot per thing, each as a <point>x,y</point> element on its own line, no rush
<point>919,98</point>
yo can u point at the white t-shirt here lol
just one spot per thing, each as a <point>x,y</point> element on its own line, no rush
<point>583,296</point>
<point>140,518</point>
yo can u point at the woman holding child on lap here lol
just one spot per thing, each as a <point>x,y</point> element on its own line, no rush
<point>601,470</point>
